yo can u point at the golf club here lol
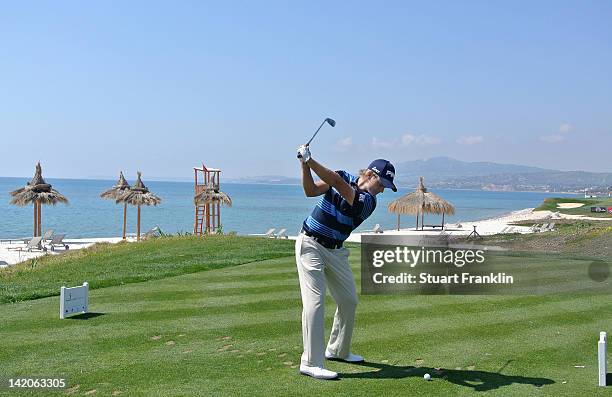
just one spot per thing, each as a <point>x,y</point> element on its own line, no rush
<point>328,121</point>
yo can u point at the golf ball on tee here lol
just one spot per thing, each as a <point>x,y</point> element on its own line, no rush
<point>427,377</point>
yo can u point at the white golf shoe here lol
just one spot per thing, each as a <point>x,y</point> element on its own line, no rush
<point>351,358</point>
<point>318,372</point>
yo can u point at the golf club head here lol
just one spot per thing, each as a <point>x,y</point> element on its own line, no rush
<point>329,121</point>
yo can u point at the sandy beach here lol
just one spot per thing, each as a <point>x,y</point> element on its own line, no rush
<point>10,255</point>
<point>487,227</point>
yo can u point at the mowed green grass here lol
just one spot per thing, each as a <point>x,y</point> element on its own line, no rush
<point>236,331</point>
<point>550,204</point>
<point>104,265</point>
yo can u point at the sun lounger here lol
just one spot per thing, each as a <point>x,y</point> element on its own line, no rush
<point>58,241</point>
<point>378,229</point>
<point>551,227</point>
<point>544,227</point>
<point>48,235</point>
<point>535,228</point>
<point>282,234</point>
<point>269,233</point>
<point>504,230</point>
<point>153,233</point>
<point>33,244</point>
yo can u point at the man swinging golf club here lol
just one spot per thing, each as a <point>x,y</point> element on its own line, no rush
<point>322,261</point>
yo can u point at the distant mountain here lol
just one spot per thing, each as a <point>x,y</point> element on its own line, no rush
<point>443,168</point>
<point>449,173</point>
<point>569,181</point>
<point>267,179</point>
<point>445,172</point>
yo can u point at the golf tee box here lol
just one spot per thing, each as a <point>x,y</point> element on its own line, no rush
<point>602,356</point>
<point>74,300</point>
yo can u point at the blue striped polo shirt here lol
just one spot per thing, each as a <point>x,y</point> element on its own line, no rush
<point>333,219</point>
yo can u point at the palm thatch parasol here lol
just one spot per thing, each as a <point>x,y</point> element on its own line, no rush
<point>114,192</point>
<point>419,202</point>
<point>211,194</point>
<point>37,192</point>
<point>210,198</point>
<point>138,195</point>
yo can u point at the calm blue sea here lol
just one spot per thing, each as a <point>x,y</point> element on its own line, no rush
<point>256,208</point>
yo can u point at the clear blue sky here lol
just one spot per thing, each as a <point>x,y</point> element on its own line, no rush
<point>90,88</point>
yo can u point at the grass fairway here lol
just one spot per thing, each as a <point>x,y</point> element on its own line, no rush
<point>236,331</point>
<point>550,204</point>
<point>104,265</point>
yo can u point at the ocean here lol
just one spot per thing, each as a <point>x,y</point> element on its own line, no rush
<point>256,208</point>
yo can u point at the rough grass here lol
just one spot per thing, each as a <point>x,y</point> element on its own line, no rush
<point>550,204</point>
<point>105,265</point>
<point>584,237</point>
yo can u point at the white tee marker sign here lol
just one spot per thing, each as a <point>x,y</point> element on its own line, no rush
<point>74,300</point>
<point>601,354</point>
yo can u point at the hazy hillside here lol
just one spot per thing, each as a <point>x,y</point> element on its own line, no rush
<point>267,179</point>
<point>445,172</point>
<point>443,168</point>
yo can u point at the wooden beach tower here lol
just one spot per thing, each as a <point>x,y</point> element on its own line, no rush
<point>207,214</point>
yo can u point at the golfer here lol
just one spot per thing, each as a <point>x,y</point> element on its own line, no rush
<point>322,261</point>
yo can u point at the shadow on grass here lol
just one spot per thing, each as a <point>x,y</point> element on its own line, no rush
<point>477,380</point>
<point>85,316</point>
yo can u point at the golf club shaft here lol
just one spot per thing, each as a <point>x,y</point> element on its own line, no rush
<point>315,134</point>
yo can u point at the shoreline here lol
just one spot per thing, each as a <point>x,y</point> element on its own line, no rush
<point>10,254</point>
<point>485,227</point>
<point>234,182</point>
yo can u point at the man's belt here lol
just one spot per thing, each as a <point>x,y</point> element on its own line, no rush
<point>324,242</point>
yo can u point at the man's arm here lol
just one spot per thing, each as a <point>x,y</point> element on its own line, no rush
<point>312,188</point>
<point>332,179</point>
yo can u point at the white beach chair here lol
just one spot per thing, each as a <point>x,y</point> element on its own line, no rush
<point>34,244</point>
<point>535,228</point>
<point>48,235</point>
<point>269,233</point>
<point>58,241</point>
<point>282,234</point>
<point>152,233</point>
<point>378,228</point>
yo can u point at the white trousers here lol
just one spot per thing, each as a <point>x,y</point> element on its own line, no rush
<point>319,267</point>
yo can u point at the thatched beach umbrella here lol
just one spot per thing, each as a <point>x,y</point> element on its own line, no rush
<point>138,195</point>
<point>420,202</point>
<point>115,192</point>
<point>212,194</point>
<point>211,198</point>
<point>37,192</point>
